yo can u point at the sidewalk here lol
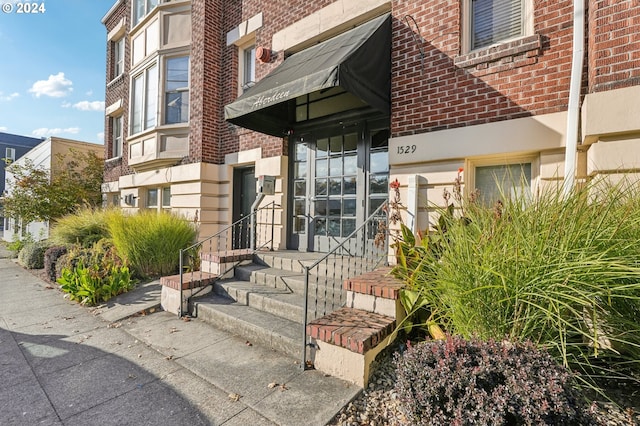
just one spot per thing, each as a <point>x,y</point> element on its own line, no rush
<point>64,364</point>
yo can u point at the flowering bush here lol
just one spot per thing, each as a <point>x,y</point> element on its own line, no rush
<point>459,382</point>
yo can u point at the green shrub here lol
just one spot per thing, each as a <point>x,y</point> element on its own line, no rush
<point>463,382</point>
<point>85,227</point>
<point>32,254</point>
<point>94,284</point>
<point>561,272</point>
<point>51,257</point>
<point>18,244</point>
<point>150,242</point>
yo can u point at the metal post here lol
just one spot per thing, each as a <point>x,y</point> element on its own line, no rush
<point>254,208</point>
<point>304,318</point>
<point>181,280</point>
<point>273,213</point>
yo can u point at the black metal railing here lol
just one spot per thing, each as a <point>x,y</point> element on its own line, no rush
<point>364,250</point>
<point>230,246</point>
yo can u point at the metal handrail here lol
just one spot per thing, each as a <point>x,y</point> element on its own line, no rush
<point>196,247</point>
<point>382,230</point>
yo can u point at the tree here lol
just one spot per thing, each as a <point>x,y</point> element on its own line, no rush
<point>38,194</point>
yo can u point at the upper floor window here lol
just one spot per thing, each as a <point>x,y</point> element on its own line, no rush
<point>116,136</point>
<point>144,99</point>
<point>176,88</point>
<point>492,21</point>
<point>10,155</point>
<point>248,67</point>
<point>118,57</point>
<point>142,8</point>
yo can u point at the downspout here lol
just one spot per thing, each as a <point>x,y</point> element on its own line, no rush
<point>573,112</point>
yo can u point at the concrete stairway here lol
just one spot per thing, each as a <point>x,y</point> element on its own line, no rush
<point>264,301</point>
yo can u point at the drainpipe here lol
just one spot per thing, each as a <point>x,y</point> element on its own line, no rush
<point>573,112</point>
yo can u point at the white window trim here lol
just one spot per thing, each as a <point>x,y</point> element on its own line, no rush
<point>500,160</point>
<point>10,154</point>
<point>117,142</point>
<point>144,72</point>
<point>242,64</point>
<point>527,26</point>
<point>118,57</point>
<point>160,198</point>
<point>145,15</point>
<point>181,89</point>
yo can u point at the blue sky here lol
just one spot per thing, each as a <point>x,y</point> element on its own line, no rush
<point>52,69</point>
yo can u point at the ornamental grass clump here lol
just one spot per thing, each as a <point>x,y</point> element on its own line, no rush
<point>150,242</point>
<point>85,227</point>
<point>560,271</point>
<point>463,382</point>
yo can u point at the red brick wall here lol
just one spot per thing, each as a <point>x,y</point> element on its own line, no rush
<point>444,93</point>
<point>614,44</point>
<point>115,90</point>
<point>205,114</point>
<point>276,16</point>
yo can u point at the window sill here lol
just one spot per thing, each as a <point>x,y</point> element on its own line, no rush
<point>113,159</point>
<point>116,80</point>
<point>507,52</point>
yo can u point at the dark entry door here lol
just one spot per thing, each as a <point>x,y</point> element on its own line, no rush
<point>244,190</point>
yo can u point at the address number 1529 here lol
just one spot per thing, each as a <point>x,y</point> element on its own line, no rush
<point>406,149</point>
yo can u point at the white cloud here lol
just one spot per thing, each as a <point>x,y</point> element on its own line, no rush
<point>56,86</point>
<point>89,93</point>
<point>3,129</point>
<point>7,98</point>
<point>89,106</point>
<point>44,131</point>
<point>66,105</point>
<point>100,137</point>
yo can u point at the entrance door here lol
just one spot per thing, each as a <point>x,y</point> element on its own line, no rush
<point>339,178</point>
<point>244,190</point>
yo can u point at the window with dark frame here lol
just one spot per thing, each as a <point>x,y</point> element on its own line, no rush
<point>492,21</point>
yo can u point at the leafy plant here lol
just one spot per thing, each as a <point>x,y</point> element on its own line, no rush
<point>92,285</point>
<point>18,244</point>
<point>463,382</point>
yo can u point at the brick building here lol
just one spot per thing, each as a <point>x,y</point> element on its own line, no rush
<point>338,98</point>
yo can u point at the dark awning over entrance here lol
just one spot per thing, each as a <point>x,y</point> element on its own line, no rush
<point>358,61</point>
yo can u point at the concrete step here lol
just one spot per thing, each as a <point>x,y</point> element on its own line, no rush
<point>287,260</point>
<point>251,324</point>
<point>281,301</point>
<point>283,279</point>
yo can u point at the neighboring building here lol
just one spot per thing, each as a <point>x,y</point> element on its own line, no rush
<point>200,100</point>
<point>44,156</point>
<point>12,147</point>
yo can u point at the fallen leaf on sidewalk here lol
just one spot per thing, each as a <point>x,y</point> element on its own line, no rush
<point>248,343</point>
<point>186,319</point>
<point>272,385</point>
<point>234,397</point>
<point>169,357</point>
<point>48,287</point>
<point>173,330</point>
<point>283,387</point>
<point>114,325</point>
